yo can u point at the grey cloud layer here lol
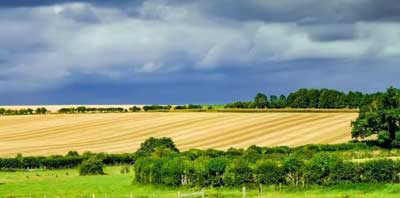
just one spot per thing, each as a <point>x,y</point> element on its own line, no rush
<point>45,46</point>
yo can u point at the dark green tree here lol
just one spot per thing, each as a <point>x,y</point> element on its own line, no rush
<point>152,144</point>
<point>261,101</point>
<point>382,119</point>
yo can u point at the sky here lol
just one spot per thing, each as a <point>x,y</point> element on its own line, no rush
<point>193,51</point>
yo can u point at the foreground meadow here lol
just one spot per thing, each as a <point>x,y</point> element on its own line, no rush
<point>67,183</point>
<point>123,132</point>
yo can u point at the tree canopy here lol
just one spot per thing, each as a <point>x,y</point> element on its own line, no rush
<point>381,118</point>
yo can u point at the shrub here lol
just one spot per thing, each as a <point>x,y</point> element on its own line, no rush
<point>345,172</point>
<point>318,169</point>
<point>269,172</point>
<point>377,171</point>
<point>72,154</point>
<point>238,173</point>
<point>384,138</point>
<point>215,170</point>
<point>151,144</point>
<point>293,168</point>
<point>171,171</point>
<point>92,166</point>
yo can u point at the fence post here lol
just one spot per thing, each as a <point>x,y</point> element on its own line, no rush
<point>93,195</point>
<point>131,195</point>
<point>179,194</point>
<point>202,193</point>
<point>244,191</point>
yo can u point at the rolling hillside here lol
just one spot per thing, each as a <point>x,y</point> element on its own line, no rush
<point>123,132</point>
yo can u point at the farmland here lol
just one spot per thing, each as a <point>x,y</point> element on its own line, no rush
<point>123,132</point>
<point>67,183</point>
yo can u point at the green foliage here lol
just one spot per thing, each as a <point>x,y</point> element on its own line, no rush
<point>72,154</point>
<point>215,170</point>
<point>84,109</point>
<point>152,144</point>
<point>269,172</point>
<point>276,102</point>
<point>377,171</point>
<point>91,166</point>
<point>157,108</point>
<point>190,106</point>
<point>70,160</point>
<point>27,111</point>
<point>384,138</point>
<point>305,165</point>
<point>318,169</point>
<point>323,99</point>
<point>382,119</point>
<point>261,101</point>
<point>293,167</point>
<point>135,109</point>
<point>344,172</point>
<point>240,105</point>
<point>238,173</point>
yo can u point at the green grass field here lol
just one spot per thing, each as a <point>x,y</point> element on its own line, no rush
<point>67,183</point>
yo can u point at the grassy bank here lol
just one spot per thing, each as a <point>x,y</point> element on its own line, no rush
<point>67,183</point>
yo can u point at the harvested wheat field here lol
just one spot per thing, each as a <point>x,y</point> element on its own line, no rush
<point>123,132</point>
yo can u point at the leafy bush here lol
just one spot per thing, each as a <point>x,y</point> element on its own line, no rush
<point>318,169</point>
<point>92,166</point>
<point>294,170</point>
<point>269,172</point>
<point>377,171</point>
<point>238,173</point>
<point>151,144</point>
<point>345,172</point>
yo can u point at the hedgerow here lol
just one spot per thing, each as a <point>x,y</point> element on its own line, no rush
<point>320,165</point>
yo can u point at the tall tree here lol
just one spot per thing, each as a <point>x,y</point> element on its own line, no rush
<point>383,121</point>
<point>261,101</point>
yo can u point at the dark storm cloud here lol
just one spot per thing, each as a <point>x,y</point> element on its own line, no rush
<point>33,3</point>
<point>305,11</point>
<point>302,11</point>
<point>173,51</point>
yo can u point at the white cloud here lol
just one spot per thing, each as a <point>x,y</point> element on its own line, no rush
<point>43,46</point>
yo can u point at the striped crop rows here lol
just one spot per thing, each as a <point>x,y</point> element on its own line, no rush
<point>123,132</point>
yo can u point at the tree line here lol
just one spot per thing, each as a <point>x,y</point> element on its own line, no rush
<point>160,163</point>
<point>310,98</point>
<point>84,109</point>
<point>27,111</point>
<point>73,158</point>
<point>70,160</point>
